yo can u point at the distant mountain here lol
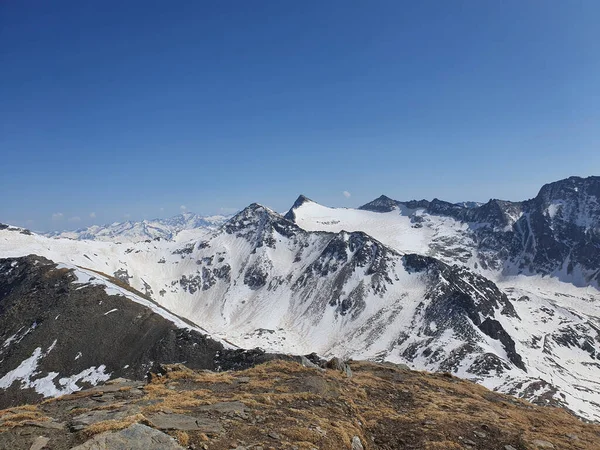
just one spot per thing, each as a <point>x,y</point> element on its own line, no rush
<point>131,231</point>
<point>556,233</point>
<point>505,293</point>
<point>469,204</point>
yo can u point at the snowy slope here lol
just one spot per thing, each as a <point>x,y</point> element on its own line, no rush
<point>262,280</point>
<point>557,233</point>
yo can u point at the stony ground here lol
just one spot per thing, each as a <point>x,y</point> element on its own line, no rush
<point>285,405</point>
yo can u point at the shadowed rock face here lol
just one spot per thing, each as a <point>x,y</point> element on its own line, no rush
<point>457,303</point>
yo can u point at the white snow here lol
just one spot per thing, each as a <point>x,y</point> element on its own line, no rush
<point>285,319</point>
<point>27,372</point>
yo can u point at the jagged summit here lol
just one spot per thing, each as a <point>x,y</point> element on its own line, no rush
<point>301,200</point>
<point>251,214</point>
<point>381,204</point>
<point>570,186</point>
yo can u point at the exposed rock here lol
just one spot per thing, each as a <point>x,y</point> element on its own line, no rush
<point>184,423</point>
<point>40,443</point>
<point>135,437</point>
<point>224,407</point>
<point>91,417</point>
<point>48,424</point>
<point>336,363</point>
<point>539,443</point>
<point>308,363</point>
<point>286,405</point>
<point>356,444</point>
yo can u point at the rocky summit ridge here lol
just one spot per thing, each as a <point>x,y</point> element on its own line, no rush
<point>287,405</point>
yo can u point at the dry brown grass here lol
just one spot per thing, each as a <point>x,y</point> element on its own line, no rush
<point>15,417</point>
<point>182,437</point>
<point>384,406</point>
<point>180,372</point>
<point>18,410</point>
<point>176,401</point>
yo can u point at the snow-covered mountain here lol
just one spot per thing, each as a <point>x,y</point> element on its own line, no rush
<point>132,231</point>
<point>435,285</point>
<point>556,234</point>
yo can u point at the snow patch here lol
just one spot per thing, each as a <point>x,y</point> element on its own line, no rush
<point>27,372</point>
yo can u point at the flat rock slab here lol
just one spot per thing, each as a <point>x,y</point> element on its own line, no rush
<point>184,423</point>
<point>223,407</point>
<point>40,443</point>
<point>113,387</point>
<point>48,424</point>
<point>542,444</point>
<point>92,417</point>
<point>135,437</point>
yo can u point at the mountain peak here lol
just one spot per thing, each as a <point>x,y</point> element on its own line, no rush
<point>301,200</point>
<point>569,188</point>
<point>381,204</point>
<point>255,213</point>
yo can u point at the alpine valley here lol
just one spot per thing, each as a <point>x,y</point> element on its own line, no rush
<point>503,293</point>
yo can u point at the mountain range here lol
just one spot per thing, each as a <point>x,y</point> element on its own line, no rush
<point>132,231</point>
<point>503,293</point>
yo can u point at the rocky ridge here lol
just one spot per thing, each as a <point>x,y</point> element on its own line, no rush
<point>284,405</point>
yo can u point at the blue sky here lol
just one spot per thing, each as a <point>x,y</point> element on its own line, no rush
<point>134,109</point>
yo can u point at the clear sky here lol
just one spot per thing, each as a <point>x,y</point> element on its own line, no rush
<point>115,109</point>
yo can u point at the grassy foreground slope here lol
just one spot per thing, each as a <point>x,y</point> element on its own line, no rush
<point>284,405</point>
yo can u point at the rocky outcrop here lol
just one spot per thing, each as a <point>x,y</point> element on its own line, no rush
<point>286,405</point>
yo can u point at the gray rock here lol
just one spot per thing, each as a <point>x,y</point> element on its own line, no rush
<point>116,386</point>
<point>39,443</point>
<point>274,435</point>
<point>308,363</point>
<point>48,424</point>
<point>92,417</point>
<point>184,423</point>
<point>509,447</point>
<point>337,364</point>
<point>135,437</point>
<point>539,443</point>
<point>401,366</point>
<point>224,407</point>
<point>356,444</point>
<point>120,380</point>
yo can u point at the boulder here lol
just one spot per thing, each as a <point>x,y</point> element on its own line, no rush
<point>134,437</point>
<point>356,444</point>
<point>339,365</point>
<point>101,415</point>
<point>40,443</point>
<point>165,421</point>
